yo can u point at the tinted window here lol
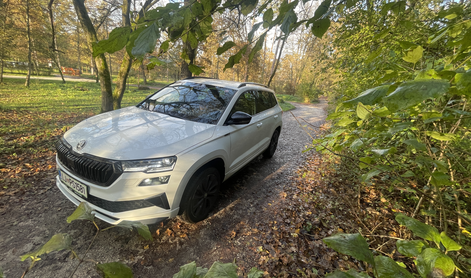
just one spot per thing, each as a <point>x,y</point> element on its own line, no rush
<point>245,103</point>
<point>190,101</point>
<point>264,101</point>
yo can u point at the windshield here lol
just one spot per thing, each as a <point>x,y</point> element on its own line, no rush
<point>190,101</point>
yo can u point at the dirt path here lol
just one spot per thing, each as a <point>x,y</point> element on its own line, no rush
<point>30,220</point>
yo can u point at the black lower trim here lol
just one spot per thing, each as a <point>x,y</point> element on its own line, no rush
<point>121,206</point>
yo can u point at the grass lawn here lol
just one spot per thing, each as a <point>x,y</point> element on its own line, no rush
<point>31,120</point>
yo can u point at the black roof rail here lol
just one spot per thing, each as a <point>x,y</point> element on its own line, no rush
<point>251,83</point>
<point>193,77</point>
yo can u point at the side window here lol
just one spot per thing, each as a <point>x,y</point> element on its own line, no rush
<point>245,103</point>
<point>264,101</point>
<point>273,99</point>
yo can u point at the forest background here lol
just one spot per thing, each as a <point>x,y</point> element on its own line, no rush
<point>397,74</point>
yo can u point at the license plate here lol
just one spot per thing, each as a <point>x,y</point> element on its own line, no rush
<point>76,186</point>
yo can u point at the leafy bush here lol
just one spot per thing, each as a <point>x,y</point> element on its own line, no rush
<point>430,261</point>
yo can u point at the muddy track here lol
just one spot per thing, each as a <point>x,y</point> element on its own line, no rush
<point>247,201</point>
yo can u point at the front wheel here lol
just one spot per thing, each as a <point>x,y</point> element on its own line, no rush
<point>201,195</point>
<point>270,151</point>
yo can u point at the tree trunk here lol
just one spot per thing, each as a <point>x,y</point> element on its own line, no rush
<point>55,52</point>
<point>185,71</point>
<point>100,60</point>
<point>144,77</point>
<point>79,59</point>
<point>123,72</point>
<point>2,39</point>
<point>277,60</point>
<point>28,35</point>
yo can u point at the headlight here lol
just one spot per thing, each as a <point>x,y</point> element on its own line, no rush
<point>150,165</point>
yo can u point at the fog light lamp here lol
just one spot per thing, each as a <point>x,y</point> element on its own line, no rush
<point>155,181</point>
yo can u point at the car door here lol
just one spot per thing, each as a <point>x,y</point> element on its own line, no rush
<point>269,117</point>
<point>246,140</point>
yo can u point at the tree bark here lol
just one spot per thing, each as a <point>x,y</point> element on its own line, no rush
<point>100,60</point>
<point>191,52</point>
<point>28,35</point>
<point>276,61</point>
<point>2,39</point>
<point>54,51</point>
<point>123,72</point>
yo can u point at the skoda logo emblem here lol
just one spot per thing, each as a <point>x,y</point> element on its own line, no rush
<point>81,144</point>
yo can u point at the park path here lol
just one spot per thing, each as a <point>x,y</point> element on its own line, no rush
<point>246,203</point>
<point>69,79</point>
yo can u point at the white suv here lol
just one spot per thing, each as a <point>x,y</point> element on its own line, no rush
<point>168,155</point>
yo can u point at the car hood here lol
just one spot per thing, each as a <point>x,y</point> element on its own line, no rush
<point>132,133</point>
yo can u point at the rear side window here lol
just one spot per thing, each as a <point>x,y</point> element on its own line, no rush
<point>265,101</point>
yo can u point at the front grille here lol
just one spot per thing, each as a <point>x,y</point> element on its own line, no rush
<point>100,171</point>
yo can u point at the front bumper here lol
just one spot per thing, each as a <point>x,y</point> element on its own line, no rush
<point>149,210</point>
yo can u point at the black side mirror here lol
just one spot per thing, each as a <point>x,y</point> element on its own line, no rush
<point>239,118</point>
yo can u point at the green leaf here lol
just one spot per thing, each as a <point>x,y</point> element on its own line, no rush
<point>350,244</point>
<point>415,144</point>
<point>434,39</point>
<point>339,274</point>
<point>366,162</point>
<point>115,270</point>
<point>366,177</point>
<point>132,39</point>
<point>449,243</point>
<point>258,46</point>
<point>381,152</point>
<point>247,6</point>
<point>427,74</point>
<point>388,268</point>
<point>319,27</point>
<point>362,111</point>
<point>268,17</point>
<point>463,83</point>
<point>369,97</point>
<point>234,59</point>
<point>433,260</point>
<point>381,112</point>
<point>321,10</point>
<point>164,46</point>
<point>414,92</point>
<point>117,40</point>
<point>201,272</point>
<point>419,229</point>
<point>255,273</point>
<point>441,136</point>
<point>1,273</point>
<point>254,29</point>
<point>83,211</point>
<point>407,45</point>
<point>440,179</point>
<point>408,174</point>
<point>289,19</point>
<point>410,248</point>
<point>58,242</point>
<point>373,55</point>
<point>414,55</point>
<point>345,121</point>
<point>142,229</point>
<point>195,69</point>
<point>356,145</point>
<point>221,270</point>
<point>227,45</point>
<point>146,41</point>
<point>186,271</point>
<point>192,39</point>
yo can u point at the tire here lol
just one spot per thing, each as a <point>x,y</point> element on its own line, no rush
<point>270,151</point>
<point>201,195</point>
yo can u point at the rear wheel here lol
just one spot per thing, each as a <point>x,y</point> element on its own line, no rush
<point>270,151</point>
<point>201,195</point>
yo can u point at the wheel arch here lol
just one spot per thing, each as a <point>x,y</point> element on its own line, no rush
<point>217,162</point>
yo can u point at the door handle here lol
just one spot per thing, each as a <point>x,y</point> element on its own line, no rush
<point>259,125</point>
<point>276,116</point>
